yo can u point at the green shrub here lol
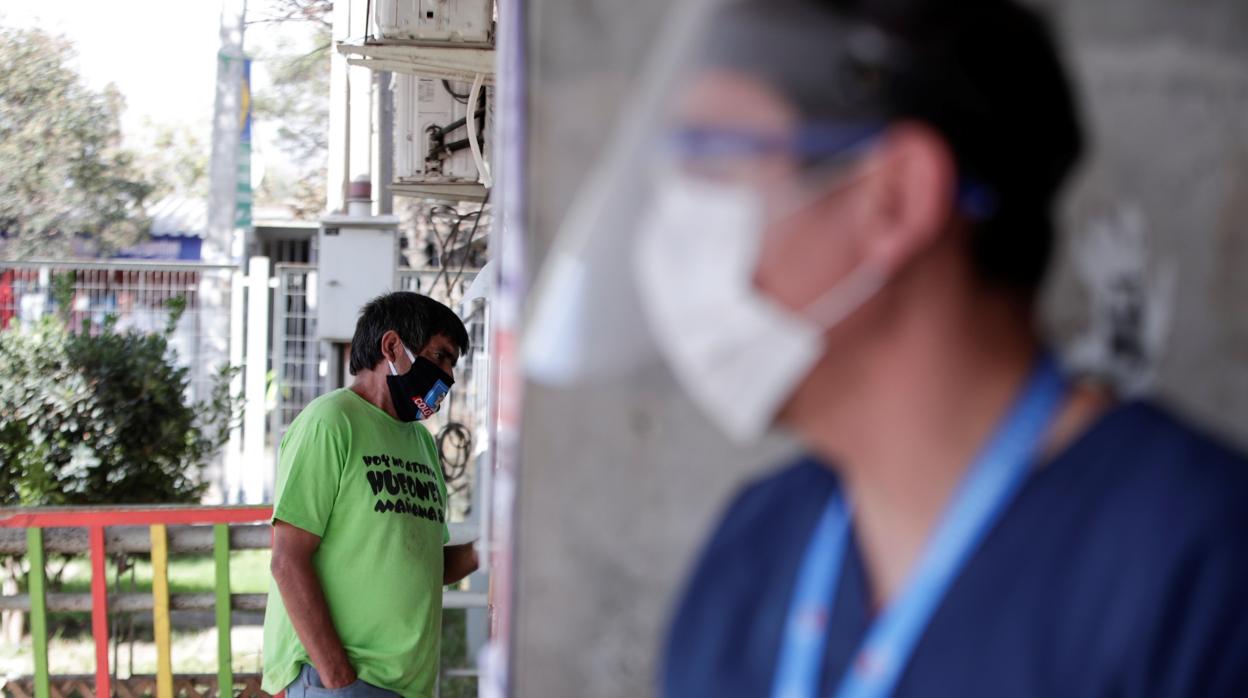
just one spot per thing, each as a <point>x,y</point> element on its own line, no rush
<point>102,419</point>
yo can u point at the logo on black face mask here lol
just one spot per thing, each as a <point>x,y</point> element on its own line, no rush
<point>423,387</point>
<point>428,405</point>
<point>425,410</point>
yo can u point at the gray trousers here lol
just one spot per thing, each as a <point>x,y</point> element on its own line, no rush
<point>308,685</point>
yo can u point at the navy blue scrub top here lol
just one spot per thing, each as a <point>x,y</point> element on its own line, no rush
<point>1121,569</point>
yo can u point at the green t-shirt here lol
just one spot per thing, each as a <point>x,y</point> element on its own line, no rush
<point>371,487</point>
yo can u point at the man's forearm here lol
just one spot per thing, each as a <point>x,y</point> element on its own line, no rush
<point>305,604</point>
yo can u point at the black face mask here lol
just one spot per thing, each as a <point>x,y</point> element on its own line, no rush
<point>418,394</point>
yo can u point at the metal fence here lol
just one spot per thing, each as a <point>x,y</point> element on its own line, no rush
<point>137,296</point>
<point>459,427</point>
<point>445,284</point>
<point>299,363</point>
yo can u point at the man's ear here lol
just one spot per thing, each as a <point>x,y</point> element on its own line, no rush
<point>391,346</point>
<point>910,194</point>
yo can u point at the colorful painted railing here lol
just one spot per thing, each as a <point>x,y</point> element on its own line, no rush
<point>158,519</point>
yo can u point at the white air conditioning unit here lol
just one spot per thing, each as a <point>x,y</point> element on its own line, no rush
<point>432,140</point>
<point>451,21</point>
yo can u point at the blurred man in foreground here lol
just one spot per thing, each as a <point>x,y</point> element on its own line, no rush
<point>848,244</point>
<point>359,517</point>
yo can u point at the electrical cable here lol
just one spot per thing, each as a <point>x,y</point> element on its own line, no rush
<point>450,148</point>
<point>474,140</point>
<point>462,99</point>
<point>447,247</point>
<point>443,242</point>
<point>444,271</point>
<point>453,146</point>
<point>442,131</point>
<point>454,443</point>
<point>471,234</point>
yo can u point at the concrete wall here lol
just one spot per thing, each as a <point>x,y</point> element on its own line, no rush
<point>1165,88</point>
<point>620,481</point>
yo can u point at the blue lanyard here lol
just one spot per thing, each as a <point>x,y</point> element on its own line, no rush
<point>986,490</point>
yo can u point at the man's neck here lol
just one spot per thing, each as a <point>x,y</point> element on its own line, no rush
<point>371,385</point>
<point>902,422</point>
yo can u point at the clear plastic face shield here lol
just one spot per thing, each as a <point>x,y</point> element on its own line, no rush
<point>717,165</point>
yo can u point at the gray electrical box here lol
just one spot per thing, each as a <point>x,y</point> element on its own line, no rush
<point>358,261</point>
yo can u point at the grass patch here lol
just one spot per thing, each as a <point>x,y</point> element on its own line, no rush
<point>188,574</point>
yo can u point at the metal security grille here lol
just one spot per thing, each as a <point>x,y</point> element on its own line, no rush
<point>446,284</point>
<point>460,425</point>
<point>136,296</point>
<point>299,364</point>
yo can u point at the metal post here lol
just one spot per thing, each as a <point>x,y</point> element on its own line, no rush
<point>223,171</point>
<point>476,620</point>
<point>383,147</point>
<point>282,377</point>
<point>339,116</point>
<point>255,475</point>
<point>360,107</point>
<point>232,487</point>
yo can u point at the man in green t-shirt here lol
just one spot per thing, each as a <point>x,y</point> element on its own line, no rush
<point>359,517</point>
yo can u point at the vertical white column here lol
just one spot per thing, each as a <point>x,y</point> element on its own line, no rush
<point>339,118</point>
<point>232,485</point>
<point>360,91</point>
<point>256,469</point>
<point>383,143</point>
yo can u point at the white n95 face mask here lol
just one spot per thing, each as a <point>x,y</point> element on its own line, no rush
<point>738,354</point>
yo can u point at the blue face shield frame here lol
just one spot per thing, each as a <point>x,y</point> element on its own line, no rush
<point>812,145</point>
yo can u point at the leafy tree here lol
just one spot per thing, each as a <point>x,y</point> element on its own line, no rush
<point>298,100</point>
<point>176,159</point>
<point>315,11</point>
<point>63,173</point>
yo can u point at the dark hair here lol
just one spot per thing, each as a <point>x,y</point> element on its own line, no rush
<point>986,74</point>
<point>416,318</point>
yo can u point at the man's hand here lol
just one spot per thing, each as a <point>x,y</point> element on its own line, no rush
<point>304,600</point>
<point>458,561</point>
